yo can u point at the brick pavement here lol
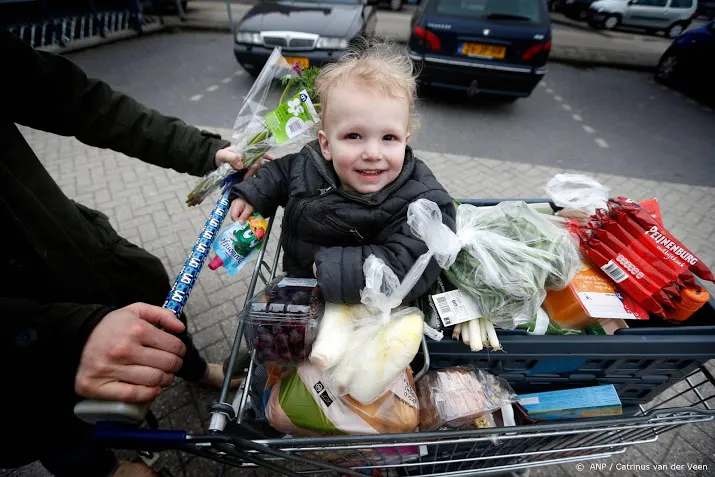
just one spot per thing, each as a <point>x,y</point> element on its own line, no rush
<point>146,205</point>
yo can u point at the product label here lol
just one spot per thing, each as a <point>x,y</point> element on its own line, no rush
<point>292,118</point>
<point>432,333</point>
<point>298,282</point>
<point>402,389</point>
<point>614,272</point>
<point>604,305</point>
<point>530,401</point>
<point>455,307</point>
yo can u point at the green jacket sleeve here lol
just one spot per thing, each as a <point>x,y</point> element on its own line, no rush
<point>41,344</point>
<point>48,92</point>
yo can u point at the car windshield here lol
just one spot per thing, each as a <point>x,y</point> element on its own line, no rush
<point>495,10</point>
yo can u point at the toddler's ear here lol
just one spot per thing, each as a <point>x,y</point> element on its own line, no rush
<point>324,145</point>
<point>407,137</point>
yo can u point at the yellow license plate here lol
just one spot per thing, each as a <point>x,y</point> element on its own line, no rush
<point>302,62</point>
<point>478,49</point>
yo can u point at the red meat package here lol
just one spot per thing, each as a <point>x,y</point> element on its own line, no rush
<point>658,240</point>
<point>627,276</point>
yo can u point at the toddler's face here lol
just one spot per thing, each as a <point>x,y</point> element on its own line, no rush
<point>365,134</point>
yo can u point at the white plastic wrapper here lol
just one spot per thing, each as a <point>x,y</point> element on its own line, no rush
<point>503,257</point>
<point>252,136</point>
<point>579,195</point>
<point>363,348</point>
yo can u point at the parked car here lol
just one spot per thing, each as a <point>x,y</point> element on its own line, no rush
<point>497,47</point>
<point>706,9</point>
<point>309,32</point>
<point>689,62</point>
<point>574,9</point>
<point>671,16</point>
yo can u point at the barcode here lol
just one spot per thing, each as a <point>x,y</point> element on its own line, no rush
<point>295,126</point>
<point>614,271</point>
<point>443,305</point>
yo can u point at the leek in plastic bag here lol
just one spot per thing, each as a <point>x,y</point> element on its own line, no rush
<point>503,257</point>
<point>256,131</point>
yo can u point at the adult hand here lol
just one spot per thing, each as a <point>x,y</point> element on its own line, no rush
<point>226,155</point>
<point>128,358</point>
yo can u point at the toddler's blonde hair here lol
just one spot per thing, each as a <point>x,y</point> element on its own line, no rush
<point>377,63</point>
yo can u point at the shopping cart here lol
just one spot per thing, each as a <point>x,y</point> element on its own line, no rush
<point>239,434</point>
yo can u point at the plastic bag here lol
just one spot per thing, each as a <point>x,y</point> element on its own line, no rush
<point>455,398</point>
<point>268,122</point>
<point>363,348</point>
<point>300,403</point>
<point>503,257</point>
<point>579,195</point>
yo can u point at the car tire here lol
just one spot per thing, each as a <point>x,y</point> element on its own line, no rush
<point>395,5</point>
<point>667,71</point>
<point>675,30</point>
<point>611,22</point>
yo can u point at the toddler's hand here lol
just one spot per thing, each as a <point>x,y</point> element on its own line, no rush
<point>240,210</point>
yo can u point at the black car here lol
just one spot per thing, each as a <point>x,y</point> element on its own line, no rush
<point>310,33</point>
<point>574,9</point>
<point>497,47</point>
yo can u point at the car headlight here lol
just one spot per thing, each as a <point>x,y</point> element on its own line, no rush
<point>330,43</point>
<point>249,37</point>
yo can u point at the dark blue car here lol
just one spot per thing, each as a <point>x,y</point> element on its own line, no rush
<point>689,62</point>
<point>494,47</point>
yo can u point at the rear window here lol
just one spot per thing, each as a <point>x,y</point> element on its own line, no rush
<point>530,11</point>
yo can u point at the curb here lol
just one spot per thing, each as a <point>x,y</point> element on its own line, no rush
<point>578,26</point>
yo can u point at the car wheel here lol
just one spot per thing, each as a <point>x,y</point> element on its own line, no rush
<point>668,68</point>
<point>675,30</point>
<point>611,22</point>
<point>395,5</point>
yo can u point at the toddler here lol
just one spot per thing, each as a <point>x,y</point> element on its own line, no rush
<point>346,194</point>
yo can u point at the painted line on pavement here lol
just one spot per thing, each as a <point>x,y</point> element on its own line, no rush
<point>196,97</point>
<point>588,128</point>
<point>549,90</point>
<point>558,98</point>
<point>227,80</point>
<point>577,118</point>
<point>601,142</point>
<point>212,88</point>
<point>567,107</point>
<point>238,73</point>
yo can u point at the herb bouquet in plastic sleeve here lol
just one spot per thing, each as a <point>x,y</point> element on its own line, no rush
<point>279,112</point>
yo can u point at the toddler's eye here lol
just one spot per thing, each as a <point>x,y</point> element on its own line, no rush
<point>389,137</point>
<point>352,136</point>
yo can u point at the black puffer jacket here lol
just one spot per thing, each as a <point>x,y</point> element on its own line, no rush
<point>338,229</point>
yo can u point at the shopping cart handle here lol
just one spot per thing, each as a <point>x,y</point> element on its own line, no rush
<point>93,411</point>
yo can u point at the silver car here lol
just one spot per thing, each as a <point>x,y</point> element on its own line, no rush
<point>670,16</point>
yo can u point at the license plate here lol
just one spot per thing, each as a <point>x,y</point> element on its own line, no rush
<point>478,49</point>
<point>302,62</point>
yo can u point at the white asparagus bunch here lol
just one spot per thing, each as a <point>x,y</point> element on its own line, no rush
<point>478,334</point>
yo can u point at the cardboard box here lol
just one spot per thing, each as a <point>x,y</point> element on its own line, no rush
<point>578,403</point>
<point>590,296</point>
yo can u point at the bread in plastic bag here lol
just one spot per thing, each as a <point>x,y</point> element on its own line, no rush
<point>362,348</point>
<point>455,398</point>
<point>300,403</point>
<point>503,257</point>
